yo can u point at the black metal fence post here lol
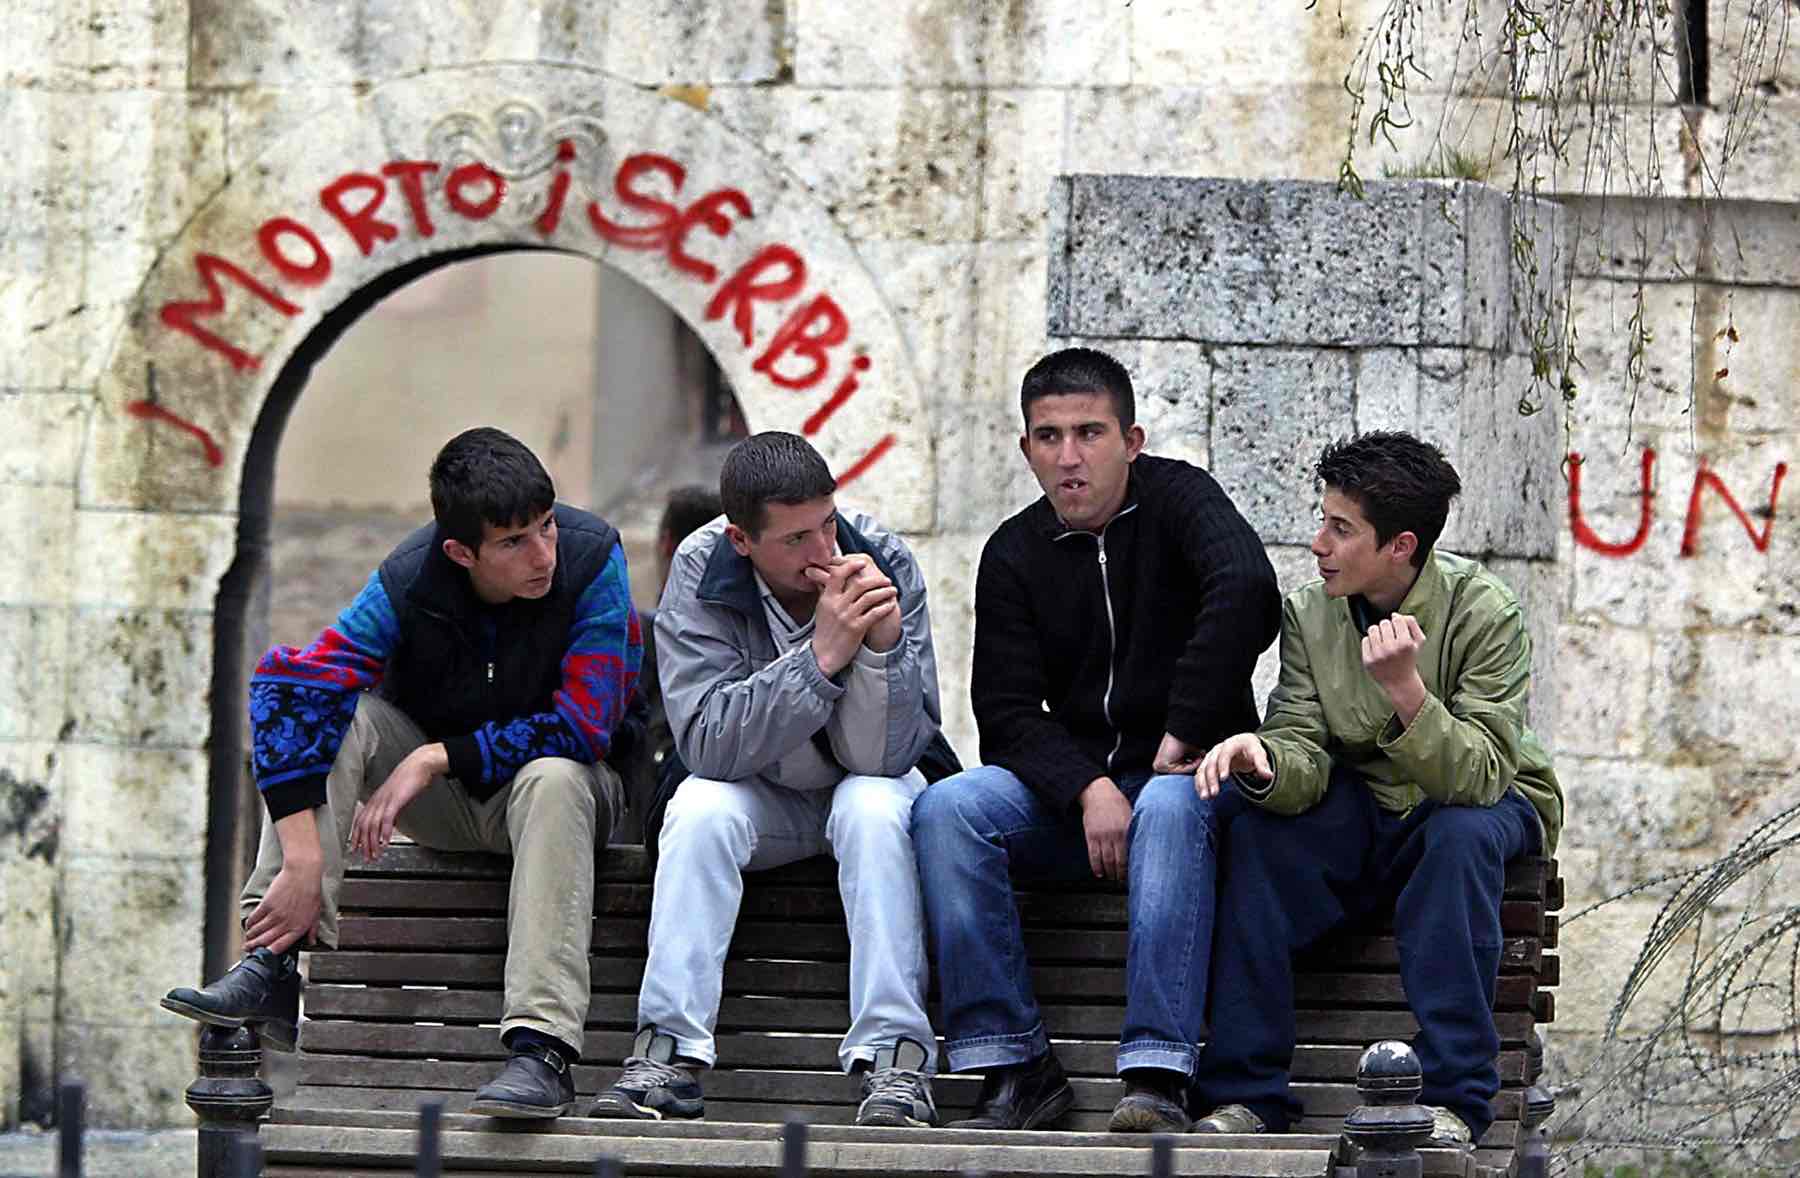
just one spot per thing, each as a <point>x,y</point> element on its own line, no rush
<point>229,1098</point>
<point>793,1150</point>
<point>70,1104</point>
<point>607,1166</point>
<point>1390,1126</point>
<point>431,1117</point>
<point>1162,1156</point>
<point>1531,1159</point>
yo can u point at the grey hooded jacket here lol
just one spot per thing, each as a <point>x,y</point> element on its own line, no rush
<point>740,709</point>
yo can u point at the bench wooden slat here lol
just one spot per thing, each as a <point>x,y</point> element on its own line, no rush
<point>575,1153</point>
<point>1526,877</point>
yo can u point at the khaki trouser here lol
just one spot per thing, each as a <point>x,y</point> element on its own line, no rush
<point>550,819</point>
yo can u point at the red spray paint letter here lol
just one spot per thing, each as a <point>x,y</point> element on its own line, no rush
<point>411,174</point>
<point>641,237</point>
<point>551,217</point>
<point>457,183</point>
<point>745,287</point>
<point>150,411</point>
<point>363,226</point>
<point>846,388</point>
<point>706,211</point>
<point>269,239</point>
<point>1704,477</point>
<point>808,333</point>
<point>861,465</point>
<point>1585,536</point>
<point>182,316</point>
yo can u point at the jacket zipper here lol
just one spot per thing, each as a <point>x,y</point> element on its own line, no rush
<point>1112,655</point>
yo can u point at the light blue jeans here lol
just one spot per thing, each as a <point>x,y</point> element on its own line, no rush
<point>714,831</point>
<point>981,829</point>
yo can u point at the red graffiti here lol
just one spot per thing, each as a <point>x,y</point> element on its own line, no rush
<point>148,411</point>
<point>1704,477</point>
<point>1585,536</point>
<point>810,346</point>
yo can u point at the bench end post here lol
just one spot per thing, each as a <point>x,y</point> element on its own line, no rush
<point>229,1096</point>
<point>1390,1125</point>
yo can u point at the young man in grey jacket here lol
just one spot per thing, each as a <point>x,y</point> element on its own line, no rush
<point>794,653</point>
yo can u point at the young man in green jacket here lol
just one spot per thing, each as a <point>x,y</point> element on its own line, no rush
<point>1394,768</point>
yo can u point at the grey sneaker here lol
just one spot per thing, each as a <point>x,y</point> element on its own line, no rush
<point>1230,1118</point>
<point>1449,1131</point>
<point>896,1090</point>
<point>651,1088</point>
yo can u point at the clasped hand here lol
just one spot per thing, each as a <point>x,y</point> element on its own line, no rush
<point>858,606</point>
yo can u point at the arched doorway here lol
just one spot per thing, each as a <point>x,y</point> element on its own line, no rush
<point>358,202</point>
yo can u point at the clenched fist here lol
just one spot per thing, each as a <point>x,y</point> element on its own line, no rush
<point>1390,654</point>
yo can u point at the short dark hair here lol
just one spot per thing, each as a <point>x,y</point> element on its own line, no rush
<point>770,467</point>
<point>688,508</point>
<point>1401,483</point>
<point>1075,371</point>
<point>487,476</point>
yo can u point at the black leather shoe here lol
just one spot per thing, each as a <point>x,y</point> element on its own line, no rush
<point>1029,1096</point>
<point>535,1083</point>
<point>262,990</point>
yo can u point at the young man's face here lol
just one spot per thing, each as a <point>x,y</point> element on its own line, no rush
<point>794,537</point>
<point>1349,558</point>
<point>1080,456</point>
<point>514,561</point>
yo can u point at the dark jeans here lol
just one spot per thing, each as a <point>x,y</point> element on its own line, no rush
<point>1287,881</point>
<point>977,831</point>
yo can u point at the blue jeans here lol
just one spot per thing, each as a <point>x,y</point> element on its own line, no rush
<point>1289,880</point>
<point>979,830</point>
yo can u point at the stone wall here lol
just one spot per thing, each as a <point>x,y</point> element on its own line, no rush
<point>912,171</point>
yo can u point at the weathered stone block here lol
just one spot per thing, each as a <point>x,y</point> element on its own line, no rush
<point>963,44</point>
<point>1508,461</point>
<point>1021,149</point>
<point>33,671</point>
<point>108,45</point>
<point>1203,131</point>
<point>40,436</point>
<point>670,41</point>
<point>982,476</point>
<point>155,158</point>
<point>1628,238</point>
<point>1712,695</point>
<point>1294,567</point>
<point>949,561</point>
<point>132,803</point>
<point>1230,47</point>
<point>1387,389</point>
<point>135,1075</point>
<point>1468,266</point>
<point>933,290</point>
<point>152,560</point>
<point>39,559</point>
<point>1271,408</point>
<point>139,676</point>
<point>335,44</point>
<point>1604,690</point>
<point>1239,262</point>
<point>913,170</point>
<point>1597,954</point>
<point>1542,589</point>
<point>130,930</point>
<point>1761,151</point>
<point>1640,803</point>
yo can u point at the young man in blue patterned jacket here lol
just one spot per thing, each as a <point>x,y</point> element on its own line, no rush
<point>466,698</point>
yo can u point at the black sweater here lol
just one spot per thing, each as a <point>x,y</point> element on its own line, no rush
<point>1063,692</point>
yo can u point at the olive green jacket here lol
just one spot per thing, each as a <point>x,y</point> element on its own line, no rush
<point>1468,744</point>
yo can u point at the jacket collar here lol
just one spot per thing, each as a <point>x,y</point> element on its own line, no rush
<point>730,578</point>
<point>1051,526</point>
<point>1424,601</point>
<point>443,586</point>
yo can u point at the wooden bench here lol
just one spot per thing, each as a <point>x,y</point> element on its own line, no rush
<point>405,1010</point>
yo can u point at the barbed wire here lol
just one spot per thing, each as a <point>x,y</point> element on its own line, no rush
<point>1700,1061</point>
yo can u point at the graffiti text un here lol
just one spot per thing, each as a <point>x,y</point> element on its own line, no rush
<point>1705,479</point>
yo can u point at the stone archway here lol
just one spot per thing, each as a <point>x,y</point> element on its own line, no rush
<point>525,156</point>
<point>411,174</point>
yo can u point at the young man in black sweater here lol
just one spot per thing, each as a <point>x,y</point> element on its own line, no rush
<point>1117,622</point>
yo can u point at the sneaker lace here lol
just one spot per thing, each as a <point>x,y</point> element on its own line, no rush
<point>900,1084</point>
<point>645,1074</point>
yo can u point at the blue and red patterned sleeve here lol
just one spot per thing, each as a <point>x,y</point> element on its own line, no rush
<point>599,673</point>
<point>302,701</point>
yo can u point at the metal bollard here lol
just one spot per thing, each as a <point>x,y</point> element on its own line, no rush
<point>1390,1126</point>
<point>607,1166</point>
<point>70,1102</point>
<point>793,1150</point>
<point>1162,1156</point>
<point>431,1116</point>
<point>1532,1157</point>
<point>229,1097</point>
<point>246,1160</point>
